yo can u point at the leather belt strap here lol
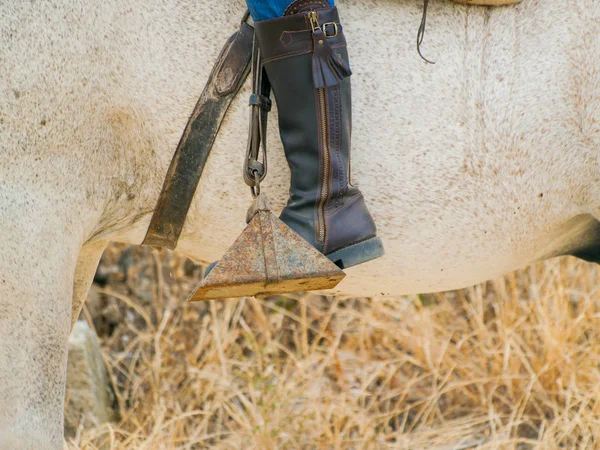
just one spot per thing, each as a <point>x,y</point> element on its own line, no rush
<point>226,79</point>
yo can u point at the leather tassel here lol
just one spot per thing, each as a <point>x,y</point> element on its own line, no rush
<point>328,67</point>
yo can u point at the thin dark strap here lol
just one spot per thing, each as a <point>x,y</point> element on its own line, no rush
<point>181,181</point>
<point>421,32</point>
<point>255,169</point>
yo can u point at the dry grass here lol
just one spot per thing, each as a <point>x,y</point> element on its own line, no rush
<point>510,364</point>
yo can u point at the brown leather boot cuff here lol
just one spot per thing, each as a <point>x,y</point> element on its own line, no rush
<point>292,35</point>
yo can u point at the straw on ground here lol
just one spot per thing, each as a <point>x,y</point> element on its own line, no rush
<point>510,364</point>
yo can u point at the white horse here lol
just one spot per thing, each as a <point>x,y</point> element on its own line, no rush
<point>472,167</point>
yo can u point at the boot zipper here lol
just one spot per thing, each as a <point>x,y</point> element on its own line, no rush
<point>321,228</point>
<point>313,16</point>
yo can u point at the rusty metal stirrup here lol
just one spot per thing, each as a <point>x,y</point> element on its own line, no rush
<point>268,258</point>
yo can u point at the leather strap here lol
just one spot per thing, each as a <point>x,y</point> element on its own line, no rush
<point>260,101</point>
<point>255,169</point>
<point>227,77</point>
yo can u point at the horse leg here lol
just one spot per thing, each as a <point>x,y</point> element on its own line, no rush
<point>37,264</point>
<point>87,263</point>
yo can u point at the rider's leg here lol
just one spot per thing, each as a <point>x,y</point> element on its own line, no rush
<point>304,55</point>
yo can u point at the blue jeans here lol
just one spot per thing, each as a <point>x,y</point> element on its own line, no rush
<point>269,9</point>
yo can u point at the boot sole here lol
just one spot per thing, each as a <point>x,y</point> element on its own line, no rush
<point>356,254</point>
<point>352,255</point>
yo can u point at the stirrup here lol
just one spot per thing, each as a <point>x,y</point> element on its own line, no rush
<point>268,258</point>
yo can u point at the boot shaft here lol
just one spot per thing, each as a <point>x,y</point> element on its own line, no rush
<point>306,60</point>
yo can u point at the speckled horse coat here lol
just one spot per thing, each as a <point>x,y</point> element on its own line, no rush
<point>475,166</point>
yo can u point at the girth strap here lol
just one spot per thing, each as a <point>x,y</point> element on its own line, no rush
<point>226,79</point>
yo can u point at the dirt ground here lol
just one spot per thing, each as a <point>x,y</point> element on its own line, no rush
<point>510,364</point>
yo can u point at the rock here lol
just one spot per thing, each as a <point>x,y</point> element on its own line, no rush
<point>89,395</point>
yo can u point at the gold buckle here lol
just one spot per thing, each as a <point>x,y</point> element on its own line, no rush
<point>335,29</point>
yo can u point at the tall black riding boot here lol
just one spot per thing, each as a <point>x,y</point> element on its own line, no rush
<point>305,57</point>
